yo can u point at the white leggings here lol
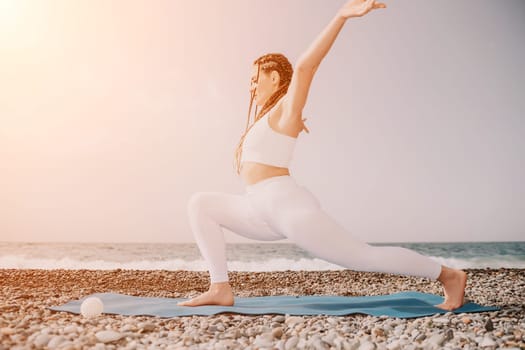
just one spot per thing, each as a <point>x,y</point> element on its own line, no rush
<point>277,208</point>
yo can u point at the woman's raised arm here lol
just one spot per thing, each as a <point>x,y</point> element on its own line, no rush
<point>310,60</point>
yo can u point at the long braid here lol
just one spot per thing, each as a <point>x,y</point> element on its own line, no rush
<point>267,63</point>
<point>238,150</point>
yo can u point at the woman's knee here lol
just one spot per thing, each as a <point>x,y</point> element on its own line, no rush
<point>198,202</point>
<point>214,204</point>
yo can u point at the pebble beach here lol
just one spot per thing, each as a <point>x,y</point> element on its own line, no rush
<point>27,323</point>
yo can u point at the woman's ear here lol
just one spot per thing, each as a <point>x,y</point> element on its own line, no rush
<point>276,77</point>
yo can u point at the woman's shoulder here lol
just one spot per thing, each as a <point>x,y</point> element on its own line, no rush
<point>283,125</point>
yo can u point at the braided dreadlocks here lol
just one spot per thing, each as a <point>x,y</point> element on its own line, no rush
<point>267,63</point>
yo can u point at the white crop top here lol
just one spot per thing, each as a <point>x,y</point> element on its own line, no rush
<point>264,145</point>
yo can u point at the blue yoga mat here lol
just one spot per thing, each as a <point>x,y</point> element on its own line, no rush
<point>402,305</point>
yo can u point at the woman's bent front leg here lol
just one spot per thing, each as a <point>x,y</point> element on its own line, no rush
<point>209,213</point>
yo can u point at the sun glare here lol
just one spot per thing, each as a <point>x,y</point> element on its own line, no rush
<point>23,24</point>
<point>10,22</point>
<point>9,14</point>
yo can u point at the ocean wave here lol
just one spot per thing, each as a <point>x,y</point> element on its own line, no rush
<point>494,262</point>
<point>275,264</point>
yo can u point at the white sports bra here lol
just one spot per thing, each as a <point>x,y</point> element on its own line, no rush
<point>264,145</point>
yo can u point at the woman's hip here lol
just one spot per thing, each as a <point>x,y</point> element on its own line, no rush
<point>279,198</point>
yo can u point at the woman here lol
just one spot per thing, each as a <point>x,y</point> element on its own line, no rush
<point>274,206</point>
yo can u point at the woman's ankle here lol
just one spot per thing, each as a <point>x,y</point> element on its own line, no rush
<point>220,286</point>
<point>446,273</point>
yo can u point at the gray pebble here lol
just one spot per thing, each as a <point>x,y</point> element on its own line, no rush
<point>67,345</point>
<point>132,345</point>
<point>367,345</point>
<point>46,330</point>
<point>302,343</point>
<point>411,347</point>
<point>70,329</point>
<point>441,320</point>
<point>127,328</point>
<point>291,343</point>
<point>449,334</point>
<point>232,334</point>
<point>352,344</point>
<point>279,345</point>
<point>108,336</point>
<point>55,342</point>
<point>420,337</point>
<point>330,338</point>
<point>293,320</point>
<point>478,339</point>
<point>395,345</point>
<point>277,332</point>
<point>41,340</point>
<point>489,326</point>
<point>347,330</point>
<point>315,342</point>
<point>264,340</point>
<point>146,327</point>
<point>279,318</point>
<point>436,340</point>
<point>332,321</point>
<point>487,341</point>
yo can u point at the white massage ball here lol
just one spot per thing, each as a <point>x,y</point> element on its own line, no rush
<point>91,307</point>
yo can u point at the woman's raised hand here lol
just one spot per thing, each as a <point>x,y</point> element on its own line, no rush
<point>358,8</point>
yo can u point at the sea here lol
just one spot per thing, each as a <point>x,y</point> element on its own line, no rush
<point>241,257</point>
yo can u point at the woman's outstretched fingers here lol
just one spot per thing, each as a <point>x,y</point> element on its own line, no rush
<point>359,8</point>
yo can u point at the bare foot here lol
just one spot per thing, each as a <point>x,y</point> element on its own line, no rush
<point>218,294</point>
<point>454,283</point>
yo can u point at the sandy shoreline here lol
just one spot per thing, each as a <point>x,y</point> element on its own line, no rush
<point>26,323</point>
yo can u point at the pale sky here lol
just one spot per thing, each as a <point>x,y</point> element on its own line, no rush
<point>113,113</point>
